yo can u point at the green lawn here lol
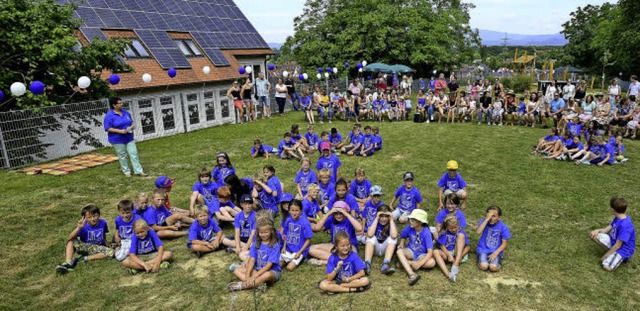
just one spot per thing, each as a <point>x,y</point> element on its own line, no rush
<point>550,207</point>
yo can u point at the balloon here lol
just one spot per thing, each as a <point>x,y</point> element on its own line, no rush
<point>326,74</point>
<point>335,70</point>
<point>301,77</point>
<point>319,69</point>
<point>360,70</point>
<point>272,67</point>
<point>242,70</point>
<point>368,77</point>
<point>18,88</point>
<point>146,78</point>
<point>36,87</point>
<point>364,63</point>
<point>385,76</point>
<point>114,79</point>
<point>206,70</point>
<point>172,73</point>
<point>328,69</point>
<point>346,65</point>
<point>359,65</point>
<point>1,95</point>
<point>319,76</point>
<point>435,71</point>
<point>84,82</point>
<point>306,76</point>
<point>285,73</point>
<point>248,69</point>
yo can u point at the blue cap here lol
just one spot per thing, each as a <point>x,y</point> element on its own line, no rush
<point>286,197</point>
<point>164,182</point>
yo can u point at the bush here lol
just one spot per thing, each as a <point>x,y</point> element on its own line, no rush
<point>521,83</point>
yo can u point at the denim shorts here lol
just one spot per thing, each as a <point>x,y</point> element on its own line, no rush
<point>484,258</point>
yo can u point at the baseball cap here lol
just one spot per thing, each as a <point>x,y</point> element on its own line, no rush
<point>286,197</point>
<point>325,146</point>
<point>246,198</point>
<point>164,182</point>
<point>419,215</point>
<point>407,176</point>
<point>342,205</point>
<point>452,165</point>
<point>376,190</point>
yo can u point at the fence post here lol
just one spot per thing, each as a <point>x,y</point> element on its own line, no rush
<point>5,155</point>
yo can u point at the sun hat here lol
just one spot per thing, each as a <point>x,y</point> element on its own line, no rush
<point>325,146</point>
<point>164,182</point>
<point>419,215</point>
<point>342,205</point>
<point>452,165</point>
<point>407,176</point>
<point>376,190</point>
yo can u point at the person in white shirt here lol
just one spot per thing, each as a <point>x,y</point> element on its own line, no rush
<point>634,87</point>
<point>568,91</point>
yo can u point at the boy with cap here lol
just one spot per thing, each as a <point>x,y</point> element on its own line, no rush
<point>452,182</point>
<point>165,183</point>
<point>619,237</point>
<point>245,228</point>
<point>329,162</point>
<point>419,245</point>
<point>408,198</point>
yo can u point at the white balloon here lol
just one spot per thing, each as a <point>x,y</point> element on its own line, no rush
<point>84,82</point>
<point>248,69</point>
<point>335,70</point>
<point>306,76</point>
<point>434,72</point>
<point>319,76</point>
<point>326,74</point>
<point>385,76</point>
<point>360,70</point>
<point>364,63</point>
<point>295,73</point>
<point>285,73</point>
<point>206,70</point>
<point>18,88</point>
<point>146,78</point>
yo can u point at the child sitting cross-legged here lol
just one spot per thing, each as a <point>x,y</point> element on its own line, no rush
<point>205,235</point>
<point>345,269</point>
<point>147,252</point>
<point>619,237</point>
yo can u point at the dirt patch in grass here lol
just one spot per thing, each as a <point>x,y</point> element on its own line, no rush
<point>201,268</point>
<point>135,280</point>
<point>495,281</point>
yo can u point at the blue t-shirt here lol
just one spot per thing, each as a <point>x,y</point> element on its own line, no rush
<point>334,139</point>
<point>551,138</point>
<point>125,228</point>
<point>368,141</point>
<point>206,233</point>
<point>266,254</point>
<point>305,179</point>
<point>432,84</point>
<point>378,141</point>
<point>150,244</point>
<point>615,149</point>
<point>369,212</point>
<point>326,192</point>
<point>209,191</point>
<point>623,230</point>
<point>379,230</point>
<point>355,139</point>
<point>156,216</point>
<point>407,199</point>
<point>263,148</point>
<point>350,265</point>
<point>310,208</point>
<point>312,139</point>
<point>448,239</point>
<point>419,243</point>
<point>454,184</point>
<point>220,173</point>
<point>275,185</point>
<point>246,224</point>
<point>462,220</point>
<point>492,237</point>
<point>283,143</point>
<point>602,152</point>
<point>574,129</point>
<point>422,85</point>
<point>305,101</point>
<point>120,122</point>
<point>295,137</point>
<point>522,108</point>
<point>139,211</point>
<point>214,206</point>
<point>94,234</point>
<point>556,105</point>
<point>267,200</point>
<point>334,227</point>
<point>360,190</point>
<point>349,199</point>
<point>297,232</point>
<point>331,164</point>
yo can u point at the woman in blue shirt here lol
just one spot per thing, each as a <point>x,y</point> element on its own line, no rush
<point>119,126</point>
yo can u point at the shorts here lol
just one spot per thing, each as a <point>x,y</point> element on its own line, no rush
<point>614,260</point>
<point>242,239</point>
<point>380,248</point>
<point>511,109</point>
<point>88,249</point>
<point>398,212</point>
<point>284,155</point>
<point>147,257</point>
<point>123,251</point>
<point>264,101</point>
<point>277,274</point>
<point>484,258</point>
<point>238,103</point>
<point>414,256</point>
<point>459,193</point>
<point>288,257</point>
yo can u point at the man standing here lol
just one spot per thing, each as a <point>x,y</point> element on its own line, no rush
<point>291,93</point>
<point>263,87</point>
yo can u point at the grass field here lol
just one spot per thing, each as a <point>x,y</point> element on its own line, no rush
<point>550,207</point>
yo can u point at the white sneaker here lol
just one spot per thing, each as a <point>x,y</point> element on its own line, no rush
<point>314,262</point>
<point>428,121</point>
<point>478,123</point>
<point>500,124</point>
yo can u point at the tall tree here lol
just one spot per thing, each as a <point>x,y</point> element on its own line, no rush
<point>423,34</point>
<point>38,43</point>
<point>626,39</point>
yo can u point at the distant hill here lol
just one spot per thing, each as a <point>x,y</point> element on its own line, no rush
<point>490,37</point>
<point>275,45</point>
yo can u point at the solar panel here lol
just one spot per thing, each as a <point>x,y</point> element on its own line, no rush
<point>91,33</point>
<point>216,57</point>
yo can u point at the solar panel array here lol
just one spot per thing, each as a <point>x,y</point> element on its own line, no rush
<point>214,24</point>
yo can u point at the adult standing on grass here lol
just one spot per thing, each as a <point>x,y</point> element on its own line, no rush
<point>281,96</point>
<point>247,87</point>
<point>291,93</point>
<point>263,87</point>
<point>119,127</point>
<point>234,94</point>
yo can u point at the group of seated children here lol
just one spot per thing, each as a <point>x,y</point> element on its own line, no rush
<point>296,146</point>
<point>596,150</point>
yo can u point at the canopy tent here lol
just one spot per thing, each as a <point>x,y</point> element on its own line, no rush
<point>378,67</point>
<point>571,69</point>
<point>524,59</point>
<point>401,69</point>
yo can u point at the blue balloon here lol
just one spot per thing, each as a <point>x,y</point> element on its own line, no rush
<point>172,73</point>
<point>319,69</point>
<point>36,87</point>
<point>1,95</point>
<point>346,65</point>
<point>368,77</point>
<point>272,67</point>
<point>329,69</point>
<point>114,79</point>
<point>241,70</point>
<point>359,65</point>
<point>301,77</point>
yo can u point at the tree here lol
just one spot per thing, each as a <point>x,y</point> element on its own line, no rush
<point>422,34</point>
<point>625,40</point>
<point>38,40</point>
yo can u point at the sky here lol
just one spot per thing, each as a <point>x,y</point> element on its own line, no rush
<point>274,19</point>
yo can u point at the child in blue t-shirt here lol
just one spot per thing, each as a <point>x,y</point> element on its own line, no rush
<point>147,252</point>
<point>336,220</point>
<point>355,141</point>
<point>327,188</point>
<point>345,270</point>
<point>222,169</point>
<point>311,205</point>
<point>205,235</point>
<point>263,265</point>
<point>617,150</point>
<point>418,252</point>
<point>335,140</point>
<point>452,182</point>
<point>452,207</point>
<point>124,229</point>
<point>261,150</point>
<point>89,237</point>
<point>493,240</point>
<point>454,247</point>
<point>360,187</point>
<point>306,101</point>
<point>287,149</point>
<point>263,193</point>
<point>161,220</point>
<point>142,203</point>
<point>203,191</point>
<point>382,235</point>
<point>574,127</point>
<point>545,144</point>
<point>305,177</point>
<point>221,208</point>
<point>273,182</point>
<point>618,238</point>
<point>297,233</point>
<point>378,138</point>
<point>329,162</point>
<point>341,194</point>
<point>367,147</point>
<point>244,229</point>
<point>408,198</point>
<point>312,139</point>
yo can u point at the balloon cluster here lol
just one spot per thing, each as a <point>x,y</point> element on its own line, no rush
<point>246,69</point>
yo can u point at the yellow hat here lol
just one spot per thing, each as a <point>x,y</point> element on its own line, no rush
<point>452,165</point>
<point>419,215</point>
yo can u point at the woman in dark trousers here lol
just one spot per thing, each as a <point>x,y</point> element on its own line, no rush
<point>281,96</point>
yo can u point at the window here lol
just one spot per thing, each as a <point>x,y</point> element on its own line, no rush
<point>188,47</point>
<point>136,50</point>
